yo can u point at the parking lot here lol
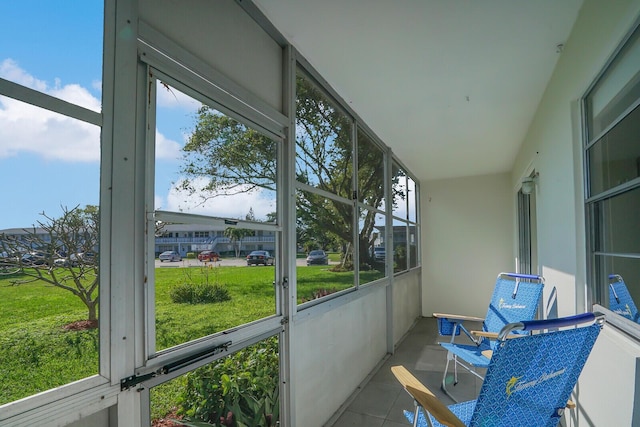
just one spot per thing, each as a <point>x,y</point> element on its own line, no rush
<point>224,262</point>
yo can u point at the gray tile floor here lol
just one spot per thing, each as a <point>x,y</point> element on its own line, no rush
<point>381,401</point>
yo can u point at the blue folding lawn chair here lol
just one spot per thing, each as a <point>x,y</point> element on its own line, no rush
<point>515,298</point>
<point>528,383</point>
<point>620,301</point>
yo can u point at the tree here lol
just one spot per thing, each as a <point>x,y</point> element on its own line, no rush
<point>237,234</point>
<point>234,158</point>
<point>61,252</point>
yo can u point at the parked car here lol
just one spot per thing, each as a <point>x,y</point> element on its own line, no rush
<point>260,257</point>
<point>378,253</point>
<point>33,258</point>
<point>317,257</point>
<point>83,258</point>
<point>61,262</point>
<point>170,256</point>
<point>208,256</point>
<point>8,257</point>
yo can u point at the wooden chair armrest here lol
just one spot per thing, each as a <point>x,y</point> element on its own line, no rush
<point>571,404</point>
<point>485,334</point>
<point>406,378</point>
<point>425,397</point>
<point>494,335</point>
<point>430,403</point>
<point>458,317</point>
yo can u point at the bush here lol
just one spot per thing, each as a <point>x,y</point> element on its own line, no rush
<point>241,389</point>
<point>319,293</point>
<point>191,255</point>
<point>199,293</point>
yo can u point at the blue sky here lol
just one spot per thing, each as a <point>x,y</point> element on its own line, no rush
<point>48,161</point>
<point>39,169</point>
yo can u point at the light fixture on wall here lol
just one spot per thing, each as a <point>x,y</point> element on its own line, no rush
<point>529,184</point>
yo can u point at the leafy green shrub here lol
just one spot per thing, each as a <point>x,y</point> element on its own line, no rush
<point>240,389</point>
<point>199,293</point>
<point>319,293</point>
<point>191,255</point>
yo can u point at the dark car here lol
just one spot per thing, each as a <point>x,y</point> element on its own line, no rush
<point>260,257</point>
<point>34,258</point>
<point>208,256</point>
<point>317,257</point>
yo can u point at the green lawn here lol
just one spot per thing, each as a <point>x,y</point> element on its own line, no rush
<point>37,353</point>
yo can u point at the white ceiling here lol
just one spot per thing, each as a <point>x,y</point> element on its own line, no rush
<point>450,85</point>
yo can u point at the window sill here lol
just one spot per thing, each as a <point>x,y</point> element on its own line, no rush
<point>624,325</point>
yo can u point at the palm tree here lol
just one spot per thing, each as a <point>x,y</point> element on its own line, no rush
<point>236,235</point>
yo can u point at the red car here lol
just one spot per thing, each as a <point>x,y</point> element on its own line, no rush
<point>208,256</point>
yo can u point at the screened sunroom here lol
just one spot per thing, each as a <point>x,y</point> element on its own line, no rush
<point>217,207</point>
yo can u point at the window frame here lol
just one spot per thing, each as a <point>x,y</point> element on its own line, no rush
<point>268,325</point>
<point>597,293</point>
<point>358,126</point>
<point>59,400</point>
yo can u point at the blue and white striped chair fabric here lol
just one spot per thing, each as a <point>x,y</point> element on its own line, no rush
<point>528,382</point>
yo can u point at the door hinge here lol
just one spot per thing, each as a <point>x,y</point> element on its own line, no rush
<point>284,321</point>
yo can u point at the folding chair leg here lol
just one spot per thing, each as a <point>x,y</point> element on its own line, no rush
<point>415,415</point>
<point>471,369</point>
<point>455,370</point>
<point>443,386</point>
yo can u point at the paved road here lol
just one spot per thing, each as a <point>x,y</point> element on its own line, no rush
<point>225,262</point>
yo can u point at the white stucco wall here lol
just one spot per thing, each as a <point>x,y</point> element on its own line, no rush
<point>552,146</point>
<point>606,389</point>
<point>467,241</point>
<point>334,351</point>
<point>99,419</point>
<point>406,303</point>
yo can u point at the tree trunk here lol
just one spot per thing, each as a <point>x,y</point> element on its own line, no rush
<point>92,306</point>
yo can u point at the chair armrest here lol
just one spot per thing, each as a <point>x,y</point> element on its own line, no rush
<point>406,378</point>
<point>494,335</point>
<point>425,397</point>
<point>458,317</point>
<point>431,404</point>
<point>485,334</point>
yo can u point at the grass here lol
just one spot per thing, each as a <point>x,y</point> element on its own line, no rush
<point>252,298</point>
<point>37,353</point>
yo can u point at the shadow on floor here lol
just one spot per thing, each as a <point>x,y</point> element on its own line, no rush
<point>381,401</point>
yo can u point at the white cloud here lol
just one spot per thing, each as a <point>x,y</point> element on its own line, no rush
<point>72,93</point>
<point>261,201</point>
<point>26,128</point>
<point>167,148</point>
<point>97,85</point>
<point>9,70</point>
